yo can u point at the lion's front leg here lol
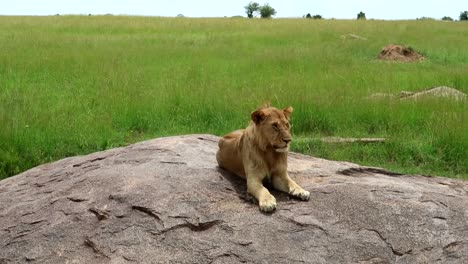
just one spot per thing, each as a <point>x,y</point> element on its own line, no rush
<point>266,201</point>
<point>284,183</point>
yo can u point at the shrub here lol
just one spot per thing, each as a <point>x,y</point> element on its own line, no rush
<point>251,8</point>
<point>464,16</point>
<point>266,11</point>
<point>361,15</point>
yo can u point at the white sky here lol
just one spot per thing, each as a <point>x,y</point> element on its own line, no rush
<point>378,9</point>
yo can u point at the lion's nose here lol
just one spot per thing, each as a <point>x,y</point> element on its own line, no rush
<point>286,140</point>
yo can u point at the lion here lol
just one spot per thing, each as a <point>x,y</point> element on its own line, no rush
<point>260,152</point>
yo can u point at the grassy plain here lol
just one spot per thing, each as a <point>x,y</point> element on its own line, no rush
<point>76,84</point>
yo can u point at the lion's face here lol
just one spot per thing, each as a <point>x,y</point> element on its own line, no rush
<point>274,126</point>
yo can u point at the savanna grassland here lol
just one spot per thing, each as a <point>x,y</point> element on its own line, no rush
<point>72,85</point>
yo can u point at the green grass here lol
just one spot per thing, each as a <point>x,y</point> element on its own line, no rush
<point>75,84</point>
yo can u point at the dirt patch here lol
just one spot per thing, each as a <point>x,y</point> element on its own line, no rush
<point>400,53</point>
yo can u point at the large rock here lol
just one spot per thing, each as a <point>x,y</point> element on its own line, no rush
<point>441,91</point>
<point>166,201</point>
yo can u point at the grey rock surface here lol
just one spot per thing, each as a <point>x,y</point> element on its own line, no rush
<point>441,91</point>
<point>166,201</point>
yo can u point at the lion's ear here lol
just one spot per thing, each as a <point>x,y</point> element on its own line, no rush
<point>258,116</point>
<point>287,112</point>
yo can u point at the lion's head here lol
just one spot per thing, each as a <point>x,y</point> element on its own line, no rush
<point>273,127</point>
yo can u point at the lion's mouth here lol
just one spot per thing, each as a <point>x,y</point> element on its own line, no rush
<point>284,148</point>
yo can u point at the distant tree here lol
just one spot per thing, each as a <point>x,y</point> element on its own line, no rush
<point>447,18</point>
<point>251,8</point>
<point>180,15</point>
<point>464,16</point>
<point>266,11</point>
<point>361,15</point>
<point>308,15</point>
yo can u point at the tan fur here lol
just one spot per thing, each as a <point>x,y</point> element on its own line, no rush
<point>259,151</point>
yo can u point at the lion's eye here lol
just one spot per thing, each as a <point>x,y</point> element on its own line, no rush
<point>275,125</point>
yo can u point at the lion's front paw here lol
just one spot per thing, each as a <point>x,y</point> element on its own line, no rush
<point>268,205</point>
<point>301,194</point>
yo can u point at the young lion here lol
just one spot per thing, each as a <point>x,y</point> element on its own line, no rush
<point>259,151</point>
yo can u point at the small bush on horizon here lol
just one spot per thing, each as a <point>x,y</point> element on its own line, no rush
<point>426,18</point>
<point>309,16</point>
<point>361,16</point>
